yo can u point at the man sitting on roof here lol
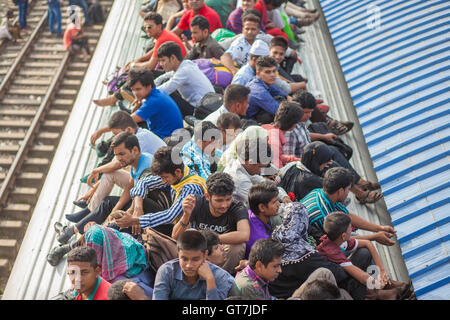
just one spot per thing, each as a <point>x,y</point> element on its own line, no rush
<point>204,45</point>
<point>198,7</point>
<point>183,76</point>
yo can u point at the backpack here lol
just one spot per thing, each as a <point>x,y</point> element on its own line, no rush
<point>215,71</point>
<point>159,248</point>
<point>116,80</point>
<point>208,104</point>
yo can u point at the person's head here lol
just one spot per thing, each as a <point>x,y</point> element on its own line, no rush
<point>199,28</point>
<point>307,103</point>
<point>254,154</point>
<point>319,289</point>
<point>126,148</point>
<point>278,47</point>
<point>258,49</point>
<point>115,291</point>
<point>338,226</point>
<point>263,199</point>
<point>163,166</point>
<point>185,4</point>
<point>215,248</point>
<point>230,126</point>
<point>153,24</point>
<point>219,191</point>
<point>288,115</point>
<point>83,269</point>
<point>192,248</point>
<point>205,134</point>
<point>122,121</point>
<point>141,82</point>
<point>169,55</point>
<point>196,5</point>
<point>251,26</point>
<point>10,13</point>
<point>337,182</point>
<point>248,4</point>
<point>265,258</point>
<point>236,98</point>
<point>266,69</point>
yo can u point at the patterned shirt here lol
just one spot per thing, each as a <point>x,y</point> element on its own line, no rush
<point>319,206</point>
<point>151,183</point>
<point>196,160</point>
<point>249,285</point>
<point>296,140</point>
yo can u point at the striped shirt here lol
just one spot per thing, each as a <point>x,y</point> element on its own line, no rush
<point>151,183</point>
<point>319,205</point>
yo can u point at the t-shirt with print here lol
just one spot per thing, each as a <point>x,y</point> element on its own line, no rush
<point>202,219</point>
<point>334,253</point>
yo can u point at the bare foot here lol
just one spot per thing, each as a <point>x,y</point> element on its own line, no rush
<point>110,101</point>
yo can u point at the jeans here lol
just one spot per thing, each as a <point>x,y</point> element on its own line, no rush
<point>23,7</point>
<point>54,12</point>
<point>83,5</point>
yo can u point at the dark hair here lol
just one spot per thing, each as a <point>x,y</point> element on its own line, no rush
<point>115,290</point>
<point>192,239</point>
<point>220,184</point>
<point>337,178</point>
<point>10,12</point>
<point>320,289</point>
<point>253,150</point>
<point>128,138</point>
<point>168,49</point>
<point>265,62</point>
<point>212,239</point>
<point>206,131</point>
<point>335,224</point>
<point>228,120</point>
<point>155,17</point>
<point>265,250</point>
<point>261,193</point>
<point>280,42</point>
<point>235,93</point>
<point>253,12</point>
<point>162,162</point>
<point>83,254</point>
<point>201,22</point>
<point>142,75</point>
<point>288,114</point>
<point>276,3</point>
<point>305,99</point>
<point>121,120</point>
<point>251,17</point>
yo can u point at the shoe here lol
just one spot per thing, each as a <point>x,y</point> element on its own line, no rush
<point>81,204</point>
<point>77,216</point>
<point>57,253</point>
<point>66,234</point>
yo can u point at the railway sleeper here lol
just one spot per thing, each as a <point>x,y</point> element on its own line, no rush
<point>8,248</point>
<point>17,211</point>
<point>12,229</point>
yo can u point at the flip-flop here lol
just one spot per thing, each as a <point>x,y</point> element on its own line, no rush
<point>370,197</point>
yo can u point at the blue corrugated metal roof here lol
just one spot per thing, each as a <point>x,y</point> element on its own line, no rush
<point>395,56</point>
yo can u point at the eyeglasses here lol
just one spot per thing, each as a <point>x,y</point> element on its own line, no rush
<point>147,27</point>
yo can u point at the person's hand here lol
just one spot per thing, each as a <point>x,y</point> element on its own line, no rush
<point>137,212</point>
<point>329,137</point>
<point>383,237</point>
<point>270,25</point>
<point>205,271</point>
<point>383,278</point>
<point>93,176</point>
<point>242,265</point>
<point>134,291</point>
<point>288,98</point>
<point>286,200</point>
<point>136,104</point>
<point>127,220</point>
<point>188,205</point>
<point>95,136</point>
<point>293,55</point>
<point>388,229</point>
<point>88,195</point>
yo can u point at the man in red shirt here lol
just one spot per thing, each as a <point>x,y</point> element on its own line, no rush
<point>83,272</point>
<point>198,7</point>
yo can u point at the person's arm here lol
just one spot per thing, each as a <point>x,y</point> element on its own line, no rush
<point>177,31</point>
<point>357,274</point>
<point>211,291</point>
<point>228,62</point>
<point>376,258</point>
<point>241,235</point>
<point>148,183</point>
<point>176,80</point>
<point>136,118</point>
<point>382,235</point>
<point>162,78</point>
<point>150,64</point>
<point>265,101</point>
<point>163,282</point>
<point>188,206</point>
<point>144,58</point>
<point>296,86</point>
<point>282,85</point>
<point>134,291</point>
<point>97,134</point>
<point>324,137</point>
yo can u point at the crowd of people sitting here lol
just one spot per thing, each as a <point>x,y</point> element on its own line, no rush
<point>234,179</point>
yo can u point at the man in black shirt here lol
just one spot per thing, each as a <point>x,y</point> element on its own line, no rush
<point>217,211</point>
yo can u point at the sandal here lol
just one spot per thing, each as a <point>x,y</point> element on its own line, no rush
<point>337,127</point>
<point>370,197</point>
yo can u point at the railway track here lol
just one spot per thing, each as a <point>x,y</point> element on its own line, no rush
<point>39,82</point>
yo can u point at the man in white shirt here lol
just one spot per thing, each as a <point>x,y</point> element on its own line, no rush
<point>235,100</point>
<point>181,75</point>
